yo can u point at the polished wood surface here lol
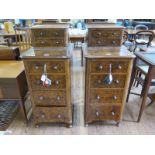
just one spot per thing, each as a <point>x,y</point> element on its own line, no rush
<point>11,69</point>
<point>106,101</point>
<point>9,53</point>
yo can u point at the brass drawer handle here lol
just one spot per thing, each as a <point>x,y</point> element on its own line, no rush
<point>119,67</point>
<point>98,97</point>
<point>41,98</point>
<point>112,113</point>
<point>55,67</point>
<point>36,67</point>
<point>97,113</point>
<point>42,42</point>
<point>117,81</point>
<point>100,67</point>
<point>57,82</point>
<point>42,115</point>
<point>113,42</point>
<point>59,116</point>
<point>98,42</point>
<point>99,33</point>
<point>115,97</point>
<point>58,98</point>
<point>57,42</point>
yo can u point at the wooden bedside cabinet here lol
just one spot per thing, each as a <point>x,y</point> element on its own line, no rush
<point>51,103</point>
<point>101,35</point>
<point>108,71</point>
<point>54,35</point>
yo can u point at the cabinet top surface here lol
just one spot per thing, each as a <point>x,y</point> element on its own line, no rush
<point>51,26</point>
<point>11,69</point>
<point>104,26</point>
<point>46,53</point>
<point>107,52</point>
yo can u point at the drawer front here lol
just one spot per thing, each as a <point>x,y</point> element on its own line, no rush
<point>104,96</point>
<point>112,33</point>
<point>51,66</point>
<point>97,42</point>
<point>49,98</point>
<point>48,33</point>
<point>49,42</point>
<point>103,113</point>
<point>58,82</point>
<point>98,81</point>
<point>51,114</point>
<point>103,66</point>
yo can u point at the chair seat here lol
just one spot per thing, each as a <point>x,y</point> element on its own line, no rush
<point>141,41</point>
<point>144,69</point>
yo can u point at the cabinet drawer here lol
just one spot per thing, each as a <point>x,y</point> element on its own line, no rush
<point>102,66</point>
<point>48,33</point>
<point>49,42</point>
<point>105,33</point>
<point>98,81</point>
<point>95,113</point>
<point>104,96</point>
<point>51,66</point>
<point>58,82</point>
<point>49,98</point>
<point>97,41</point>
<point>51,114</point>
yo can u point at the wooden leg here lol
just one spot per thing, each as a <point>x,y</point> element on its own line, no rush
<point>81,57</point>
<point>146,86</point>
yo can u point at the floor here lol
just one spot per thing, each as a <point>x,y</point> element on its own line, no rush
<point>127,127</point>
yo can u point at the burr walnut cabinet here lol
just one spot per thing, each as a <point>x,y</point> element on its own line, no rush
<point>108,71</point>
<point>54,35</point>
<point>101,35</point>
<point>51,103</point>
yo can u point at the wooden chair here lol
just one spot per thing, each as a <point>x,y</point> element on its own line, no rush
<point>141,27</point>
<point>23,38</point>
<point>143,39</point>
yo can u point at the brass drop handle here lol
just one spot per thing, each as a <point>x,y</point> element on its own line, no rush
<point>59,116</point>
<point>41,33</point>
<point>112,113</point>
<point>57,82</point>
<point>98,42</point>
<point>100,67</point>
<point>41,97</point>
<point>115,97</point>
<point>57,42</point>
<point>97,113</point>
<point>36,67</point>
<point>58,98</point>
<point>99,33</point>
<point>42,42</point>
<point>98,97</point>
<point>114,42</point>
<point>119,67</point>
<point>55,67</point>
<point>117,81</point>
<point>42,115</point>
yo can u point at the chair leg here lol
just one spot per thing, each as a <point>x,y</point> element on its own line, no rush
<point>139,75</point>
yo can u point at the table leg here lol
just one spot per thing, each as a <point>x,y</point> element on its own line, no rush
<point>146,86</point>
<point>23,110</point>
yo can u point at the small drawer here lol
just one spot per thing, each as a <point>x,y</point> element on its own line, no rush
<point>101,113</point>
<point>98,81</point>
<point>106,97</point>
<point>57,82</point>
<point>102,66</point>
<point>48,33</point>
<point>51,114</point>
<point>49,98</point>
<point>52,66</point>
<point>49,43</point>
<point>99,33</point>
<point>97,42</point>
<point>114,42</point>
